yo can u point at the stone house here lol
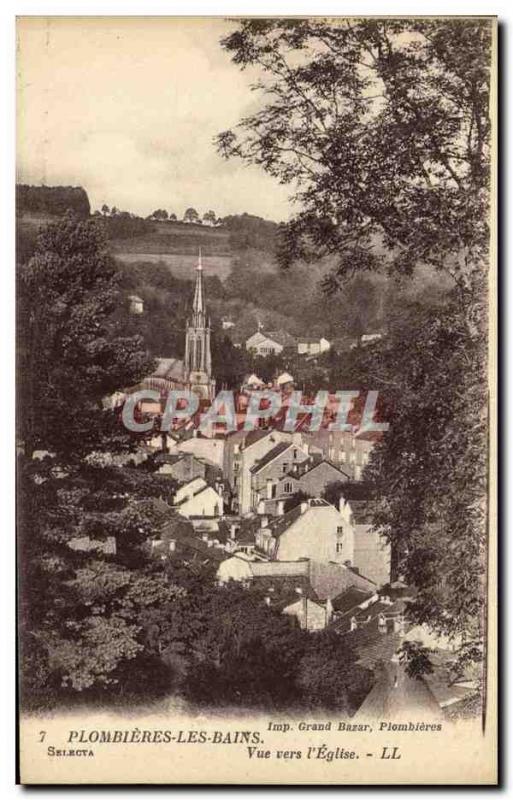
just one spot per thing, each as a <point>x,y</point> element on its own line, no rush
<point>197,499</point>
<point>348,450</point>
<point>314,529</point>
<point>183,467</point>
<point>268,471</point>
<point>242,450</point>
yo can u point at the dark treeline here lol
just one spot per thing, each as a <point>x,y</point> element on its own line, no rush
<point>52,200</point>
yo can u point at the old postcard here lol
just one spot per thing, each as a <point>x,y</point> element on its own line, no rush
<point>256,382</point>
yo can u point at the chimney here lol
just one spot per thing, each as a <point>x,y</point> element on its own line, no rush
<point>233,530</point>
<point>172,545</point>
<point>280,508</point>
<point>304,609</point>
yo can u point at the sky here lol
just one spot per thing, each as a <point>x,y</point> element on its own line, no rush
<point>127,107</point>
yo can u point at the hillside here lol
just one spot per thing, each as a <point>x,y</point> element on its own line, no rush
<point>243,281</point>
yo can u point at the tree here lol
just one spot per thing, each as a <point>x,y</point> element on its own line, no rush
<point>159,213</point>
<point>416,659</point>
<point>429,470</point>
<point>229,363</point>
<point>71,352</point>
<point>105,210</point>
<point>81,610</point>
<point>327,675</point>
<point>295,500</point>
<point>210,217</point>
<point>191,215</point>
<point>383,126</point>
<point>52,200</point>
<point>172,217</point>
<point>388,142</point>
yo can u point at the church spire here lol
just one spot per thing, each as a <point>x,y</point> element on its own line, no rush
<point>198,360</point>
<point>198,305</point>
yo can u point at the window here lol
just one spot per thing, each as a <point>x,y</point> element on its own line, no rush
<point>287,487</point>
<point>339,547</point>
<point>285,467</point>
<point>340,530</point>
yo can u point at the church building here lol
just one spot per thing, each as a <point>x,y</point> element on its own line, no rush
<point>198,359</point>
<point>194,372</point>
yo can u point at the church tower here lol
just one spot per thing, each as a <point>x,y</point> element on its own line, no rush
<point>198,360</point>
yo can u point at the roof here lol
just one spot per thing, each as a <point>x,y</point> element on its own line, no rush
<point>198,547</point>
<point>310,339</point>
<point>330,579</point>
<point>254,436</point>
<point>199,490</point>
<point>318,464</point>
<point>280,337</point>
<point>254,380</point>
<point>279,569</point>
<point>396,695</point>
<point>283,591</point>
<point>285,377</point>
<point>270,456</point>
<point>388,609</point>
<point>169,369</point>
<point>280,524</point>
<point>350,598</point>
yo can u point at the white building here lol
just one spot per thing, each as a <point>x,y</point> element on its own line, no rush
<point>309,346</point>
<point>314,529</point>
<point>136,304</point>
<point>266,343</point>
<point>197,499</point>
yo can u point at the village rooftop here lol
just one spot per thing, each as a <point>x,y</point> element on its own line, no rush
<point>182,406</point>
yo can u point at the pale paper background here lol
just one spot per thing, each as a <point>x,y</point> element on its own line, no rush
<point>462,753</point>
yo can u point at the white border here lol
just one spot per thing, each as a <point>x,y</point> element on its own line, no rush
<point>8,10</point>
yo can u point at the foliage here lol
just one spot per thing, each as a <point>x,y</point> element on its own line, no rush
<point>83,607</point>
<point>430,468</point>
<point>52,200</point>
<point>383,126</point>
<point>191,215</point>
<point>327,674</point>
<point>359,490</point>
<point>295,500</point>
<point>159,213</point>
<point>71,352</point>
<point>415,658</point>
<point>124,225</point>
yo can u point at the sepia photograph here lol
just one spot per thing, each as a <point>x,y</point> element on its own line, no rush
<point>256,399</point>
